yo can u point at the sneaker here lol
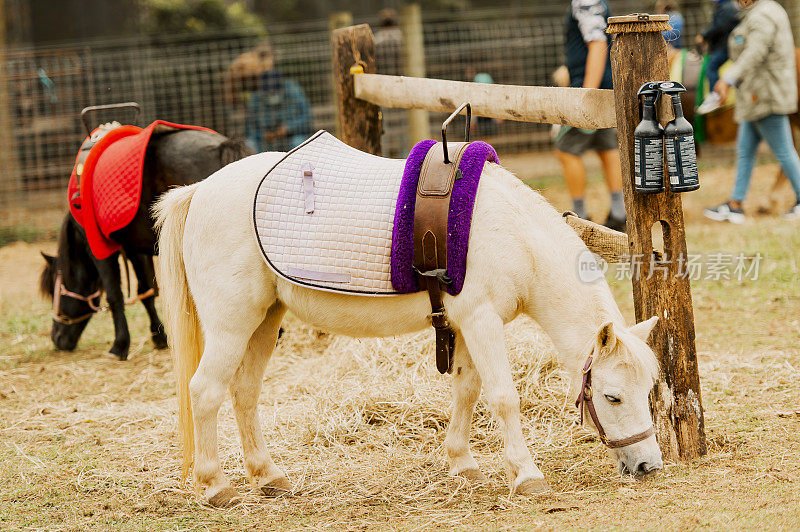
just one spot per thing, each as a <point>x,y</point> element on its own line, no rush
<point>725,213</point>
<point>617,224</point>
<point>793,214</point>
<point>712,102</point>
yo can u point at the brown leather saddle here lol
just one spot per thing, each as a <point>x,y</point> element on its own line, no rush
<point>437,177</point>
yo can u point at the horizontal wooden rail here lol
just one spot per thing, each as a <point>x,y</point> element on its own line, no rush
<point>612,245</point>
<point>577,107</point>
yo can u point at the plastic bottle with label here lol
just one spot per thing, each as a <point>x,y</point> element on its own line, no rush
<point>648,144</point>
<point>679,143</point>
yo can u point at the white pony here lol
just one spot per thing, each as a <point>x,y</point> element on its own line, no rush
<point>225,304</point>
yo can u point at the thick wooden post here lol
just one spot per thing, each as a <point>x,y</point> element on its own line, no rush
<point>414,47</point>
<point>359,121</point>
<point>662,289</point>
<point>339,19</point>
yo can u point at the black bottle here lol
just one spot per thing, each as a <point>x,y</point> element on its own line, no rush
<point>679,143</point>
<point>648,144</point>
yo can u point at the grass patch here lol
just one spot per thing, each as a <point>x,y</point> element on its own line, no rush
<point>24,233</point>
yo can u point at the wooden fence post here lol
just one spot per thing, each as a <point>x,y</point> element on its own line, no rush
<point>359,121</point>
<point>662,289</point>
<point>339,19</point>
<point>414,47</point>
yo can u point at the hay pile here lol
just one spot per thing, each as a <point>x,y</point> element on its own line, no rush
<point>355,423</point>
<point>366,418</point>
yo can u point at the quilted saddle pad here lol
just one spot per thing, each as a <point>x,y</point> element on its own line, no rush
<point>334,218</point>
<point>324,214</point>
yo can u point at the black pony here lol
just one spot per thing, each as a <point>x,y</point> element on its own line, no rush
<point>75,279</point>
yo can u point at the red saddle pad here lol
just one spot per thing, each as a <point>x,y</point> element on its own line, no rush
<point>111,183</point>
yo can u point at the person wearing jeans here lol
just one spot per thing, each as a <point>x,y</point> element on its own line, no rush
<point>716,58</point>
<point>763,70</point>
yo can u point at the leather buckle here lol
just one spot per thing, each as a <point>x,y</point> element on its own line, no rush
<point>587,392</point>
<point>439,320</point>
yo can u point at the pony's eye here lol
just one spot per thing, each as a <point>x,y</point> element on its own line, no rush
<point>613,399</point>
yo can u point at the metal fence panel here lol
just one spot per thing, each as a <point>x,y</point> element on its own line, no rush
<point>182,79</point>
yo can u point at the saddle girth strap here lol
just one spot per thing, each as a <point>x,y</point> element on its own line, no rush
<point>431,212</point>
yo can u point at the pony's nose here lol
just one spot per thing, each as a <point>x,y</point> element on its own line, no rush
<point>643,468</point>
<point>62,341</point>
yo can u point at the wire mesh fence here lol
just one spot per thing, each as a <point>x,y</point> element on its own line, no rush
<point>210,80</point>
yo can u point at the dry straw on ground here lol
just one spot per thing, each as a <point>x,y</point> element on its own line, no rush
<point>363,420</point>
<point>354,422</point>
<point>89,443</point>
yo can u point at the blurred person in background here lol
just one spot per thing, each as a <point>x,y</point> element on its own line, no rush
<point>674,37</point>
<point>715,39</point>
<point>244,73</point>
<point>278,116</point>
<point>764,74</point>
<point>389,61</point>
<point>587,57</point>
<point>388,44</point>
<point>482,126</point>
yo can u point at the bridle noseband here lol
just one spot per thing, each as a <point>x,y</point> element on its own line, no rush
<point>60,290</point>
<point>585,399</point>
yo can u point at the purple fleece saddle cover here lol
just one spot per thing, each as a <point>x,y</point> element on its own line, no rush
<point>459,218</point>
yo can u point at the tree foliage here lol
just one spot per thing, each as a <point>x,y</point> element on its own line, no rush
<point>198,16</point>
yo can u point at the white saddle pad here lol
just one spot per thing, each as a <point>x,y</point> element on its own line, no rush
<point>324,215</point>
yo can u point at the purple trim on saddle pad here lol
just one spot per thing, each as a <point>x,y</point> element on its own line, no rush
<point>459,218</point>
<point>402,257</point>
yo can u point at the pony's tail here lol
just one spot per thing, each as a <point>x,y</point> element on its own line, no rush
<point>183,326</point>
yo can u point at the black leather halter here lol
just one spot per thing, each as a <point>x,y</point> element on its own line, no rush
<point>585,400</point>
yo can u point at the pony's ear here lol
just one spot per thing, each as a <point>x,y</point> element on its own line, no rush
<point>606,337</point>
<point>642,330</point>
<point>48,276</point>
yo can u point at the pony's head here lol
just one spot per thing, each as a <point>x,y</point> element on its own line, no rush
<point>69,279</point>
<point>620,370</point>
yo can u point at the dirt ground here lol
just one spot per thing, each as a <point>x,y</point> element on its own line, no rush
<point>87,442</point>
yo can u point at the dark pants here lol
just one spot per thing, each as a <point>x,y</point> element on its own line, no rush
<point>716,59</point>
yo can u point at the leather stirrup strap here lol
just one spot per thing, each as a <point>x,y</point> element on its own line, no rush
<point>431,212</point>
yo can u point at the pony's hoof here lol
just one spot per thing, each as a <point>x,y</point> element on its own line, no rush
<point>473,475</point>
<point>225,498</point>
<point>533,486</point>
<point>280,487</point>
<point>115,356</point>
<point>160,340</point>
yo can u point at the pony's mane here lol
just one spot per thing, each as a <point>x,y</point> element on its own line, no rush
<point>637,355</point>
<point>531,201</point>
<point>65,254</point>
